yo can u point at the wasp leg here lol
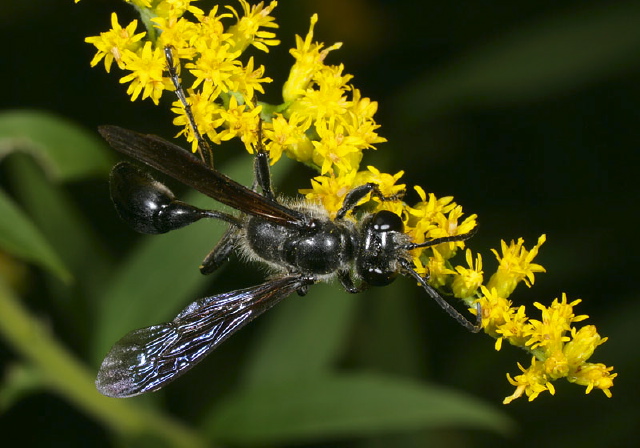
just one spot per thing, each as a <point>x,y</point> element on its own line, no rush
<point>352,198</point>
<point>221,252</point>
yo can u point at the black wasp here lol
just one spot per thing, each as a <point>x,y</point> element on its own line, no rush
<point>296,239</point>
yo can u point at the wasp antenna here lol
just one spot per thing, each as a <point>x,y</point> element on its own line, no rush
<point>203,147</point>
<point>444,239</point>
<point>451,311</point>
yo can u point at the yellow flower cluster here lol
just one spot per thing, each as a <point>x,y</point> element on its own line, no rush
<point>325,122</point>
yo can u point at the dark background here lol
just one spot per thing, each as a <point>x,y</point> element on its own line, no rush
<point>529,150</point>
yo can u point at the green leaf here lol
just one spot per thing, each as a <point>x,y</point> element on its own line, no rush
<point>64,224</point>
<point>21,238</point>
<point>19,381</point>
<point>61,372</point>
<point>345,406</point>
<point>389,337</point>
<point>304,336</point>
<point>551,55</point>
<point>65,150</point>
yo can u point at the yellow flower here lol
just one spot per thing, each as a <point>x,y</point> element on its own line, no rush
<point>247,31</point>
<point>241,121</point>
<point>427,209</point>
<point>114,42</point>
<point>335,148</point>
<point>532,382</point>
<point>288,135</point>
<point>330,191</point>
<point>560,351</point>
<point>309,59</point>
<point>327,100</point>
<point>468,280</point>
<point>211,31</point>
<point>215,67</point>
<point>596,376</point>
<point>385,182</point>
<point>436,269</point>
<point>166,8</point>
<point>582,345</point>
<point>146,75</point>
<point>556,321</point>
<point>205,112</point>
<point>500,319</point>
<point>249,80</point>
<point>515,266</point>
<point>447,225</point>
<point>179,34</point>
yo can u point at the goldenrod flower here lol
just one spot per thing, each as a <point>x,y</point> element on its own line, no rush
<point>309,59</point>
<point>330,191</point>
<point>592,376</point>
<point>146,69</point>
<point>387,183</point>
<point>241,121</point>
<point>289,135</point>
<point>468,280</point>
<point>247,31</point>
<point>556,321</point>
<point>325,122</point>
<point>113,43</point>
<point>205,112</point>
<point>215,66</point>
<point>515,266</point>
<point>531,382</point>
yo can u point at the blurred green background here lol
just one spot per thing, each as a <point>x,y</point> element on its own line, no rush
<point>526,112</point>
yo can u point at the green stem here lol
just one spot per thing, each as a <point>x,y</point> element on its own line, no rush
<point>68,377</point>
<point>146,15</point>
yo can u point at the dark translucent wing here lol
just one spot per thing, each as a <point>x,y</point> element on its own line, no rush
<point>180,164</point>
<point>146,360</point>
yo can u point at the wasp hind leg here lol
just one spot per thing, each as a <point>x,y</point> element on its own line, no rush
<point>221,252</point>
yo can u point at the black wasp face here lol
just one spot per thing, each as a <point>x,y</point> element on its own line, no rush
<point>383,237</point>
